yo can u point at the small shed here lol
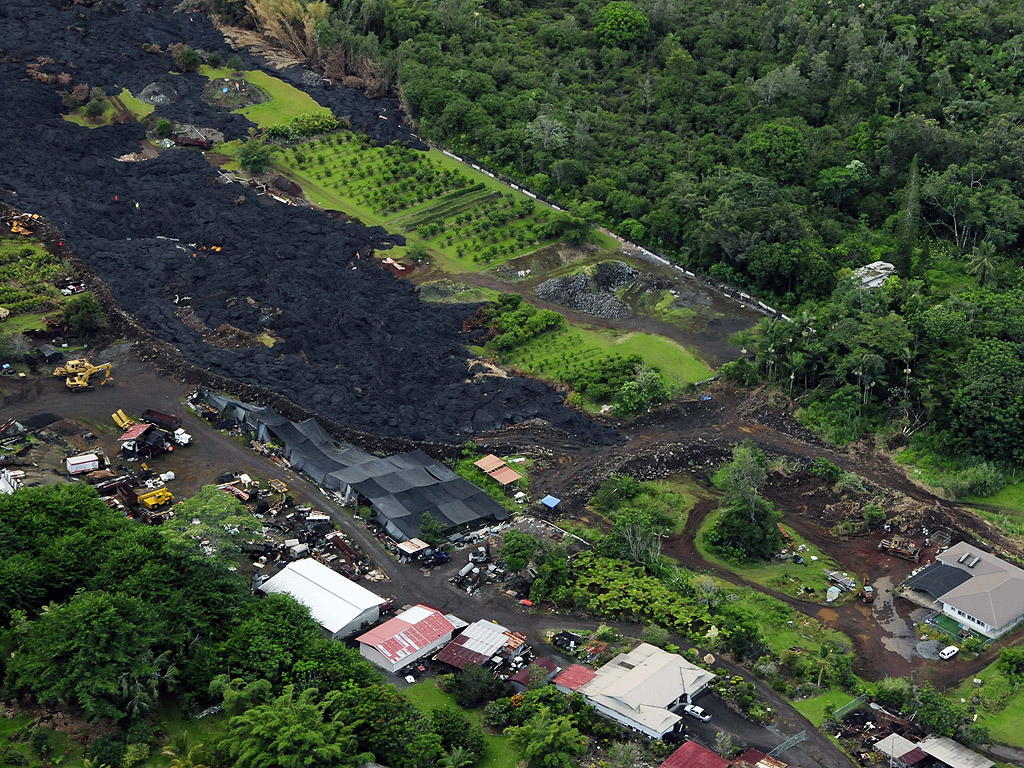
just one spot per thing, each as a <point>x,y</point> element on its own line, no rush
<point>50,353</point>
<point>550,501</point>
<point>489,463</point>
<point>521,679</point>
<point>831,594</point>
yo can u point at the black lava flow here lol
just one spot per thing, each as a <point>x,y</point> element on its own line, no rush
<point>358,345</point>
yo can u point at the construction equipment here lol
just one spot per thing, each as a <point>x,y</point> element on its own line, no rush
<point>157,498</point>
<point>71,367</point>
<point>123,421</point>
<point>901,546</point>
<point>80,381</point>
<point>279,487</point>
<point>867,594</point>
<point>21,223</point>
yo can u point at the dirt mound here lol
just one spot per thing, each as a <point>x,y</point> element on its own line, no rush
<point>359,347</point>
<point>593,293</point>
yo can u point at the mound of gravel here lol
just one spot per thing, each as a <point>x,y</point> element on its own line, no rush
<point>929,649</point>
<point>357,346</point>
<point>588,293</point>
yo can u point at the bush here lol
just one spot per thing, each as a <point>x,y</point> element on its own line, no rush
<point>446,683</point>
<point>186,59</point>
<point>213,60</point>
<point>164,128</point>
<point>874,515</point>
<point>254,156</point>
<point>826,470</point>
<point>83,314</point>
<point>235,64</point>
<point>94,108</point>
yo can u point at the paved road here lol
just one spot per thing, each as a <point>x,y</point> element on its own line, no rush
<point>138,387</point>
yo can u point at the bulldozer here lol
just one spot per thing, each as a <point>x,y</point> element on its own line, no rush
<point>71,367</point>
<point>901,546</point>
<point>80,381</point>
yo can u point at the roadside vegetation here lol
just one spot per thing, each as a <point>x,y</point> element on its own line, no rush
<point>1000,698</point>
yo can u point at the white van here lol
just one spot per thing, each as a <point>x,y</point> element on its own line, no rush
<point>948,652</point>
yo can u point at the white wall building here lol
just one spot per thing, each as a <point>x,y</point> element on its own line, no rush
<point>340,606</point>
<point>638,689</point>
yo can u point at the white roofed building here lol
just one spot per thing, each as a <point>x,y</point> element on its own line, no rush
<point>409,636</point>
<point>639,689</point>
<point>340,606</point>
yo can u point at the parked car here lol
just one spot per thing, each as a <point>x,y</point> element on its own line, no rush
<point>948,652</point>
<point>698,712</point>
<point>437,558</point>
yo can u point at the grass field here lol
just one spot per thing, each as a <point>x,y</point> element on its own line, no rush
<point>556,354</point>
<point>782,575</point>
<point>497,751</point>
<point>1001,707</point>
<point>137,107</point>
<point>673,498</point>
<point>448,292</point>
<point>466,220</point>
<point>814,707</point>
<point>284,103</point>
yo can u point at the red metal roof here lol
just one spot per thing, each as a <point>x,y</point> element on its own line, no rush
<point>523,675</point>
<point>575,676</point>
<point>399,638</point>
<point>913,757</point>
<point>135,432</point>
<point>756,757</point>
<point>693,755</point>
<point>458,655</point>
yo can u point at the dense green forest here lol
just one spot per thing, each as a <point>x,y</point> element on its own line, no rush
<point>774,145</point>
<point>769,143</point>
<point>112,620</point>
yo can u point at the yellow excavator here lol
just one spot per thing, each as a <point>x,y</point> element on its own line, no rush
<point>71,367</point>
<point>78,378</point>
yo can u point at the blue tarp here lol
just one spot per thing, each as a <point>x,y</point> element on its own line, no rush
<point>550,501</point>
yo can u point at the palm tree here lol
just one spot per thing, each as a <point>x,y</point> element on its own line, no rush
<point>182,752</point>
<point>459,757</point>
<point>824,659</point>
<point>983,263</point>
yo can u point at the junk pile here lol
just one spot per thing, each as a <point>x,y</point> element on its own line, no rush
<point>356,344</point>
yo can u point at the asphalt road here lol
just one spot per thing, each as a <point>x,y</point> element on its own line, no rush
<point>137,386</point>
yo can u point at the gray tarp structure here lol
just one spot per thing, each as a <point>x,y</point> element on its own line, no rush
<point>400,489</point>
<point>937,579</point>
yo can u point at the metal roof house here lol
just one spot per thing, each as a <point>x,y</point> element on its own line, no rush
<point>408,637</point>
<point>639,689</point>
<point>945,752</point>
<point>975,588</point>
<point>693,755</point>
<point>481,643</point>
<point>340,606</point>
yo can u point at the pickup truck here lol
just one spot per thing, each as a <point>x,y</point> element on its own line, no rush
<point>437,558</point>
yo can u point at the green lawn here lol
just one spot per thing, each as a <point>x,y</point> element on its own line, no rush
<point>1010,498</point>
<point>814,708</point>
<point>782,575</point>
<point>772,617</point>
<point>285,101</point>
<point>1001,707</point>
<point>497,751</point>
<point>556,354</point>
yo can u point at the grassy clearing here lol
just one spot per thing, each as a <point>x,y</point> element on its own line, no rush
<point>1000,706</point>
<point>497,751</point>
<point>284,102</point>
<point>59,747</point>
<point>466,220</point>
<point>658,305</point>
<point>1010,498</point>
<point>814,707</point>
<point>556,355</point>
<point>137,107</point>
<point>448,292</point>
<point>805,581</point>
<point>672,499</point>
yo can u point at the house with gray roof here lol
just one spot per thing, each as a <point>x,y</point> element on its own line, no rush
<point>979,590</point>
<point>639,689</point>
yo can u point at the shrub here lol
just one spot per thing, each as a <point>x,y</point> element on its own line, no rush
<point>236,64</point>
<point>186,59</point>
<point>213,60</point>
<point>94,108</point>
<point>826,470</point>
<point>164,128</point>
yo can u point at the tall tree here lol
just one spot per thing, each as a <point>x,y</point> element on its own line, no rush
<point>909,222</point>
<point>547,741</point>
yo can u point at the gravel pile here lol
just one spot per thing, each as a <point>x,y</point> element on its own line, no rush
<point>593,294</point>
<point>357,346</point>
